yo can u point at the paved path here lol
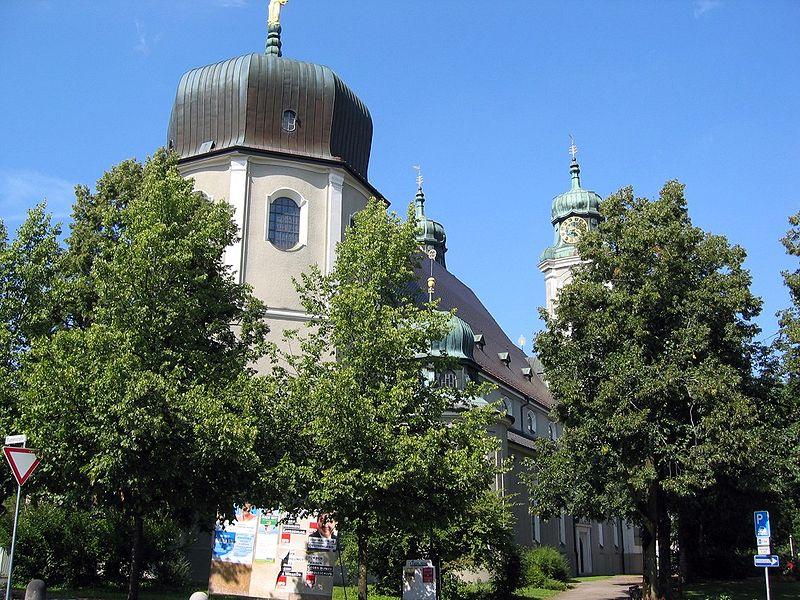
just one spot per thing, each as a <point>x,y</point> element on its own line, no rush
<point>613,588</point>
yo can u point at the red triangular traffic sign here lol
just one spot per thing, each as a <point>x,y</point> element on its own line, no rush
<point>23,462</point>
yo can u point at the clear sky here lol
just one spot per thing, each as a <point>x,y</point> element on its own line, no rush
<point>482,94</point>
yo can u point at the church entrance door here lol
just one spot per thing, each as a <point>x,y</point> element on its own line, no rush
<point>584,549</point>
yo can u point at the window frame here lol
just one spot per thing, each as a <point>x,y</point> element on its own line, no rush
<point>302,204</point>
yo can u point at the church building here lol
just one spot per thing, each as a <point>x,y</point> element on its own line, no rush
<point>287,144</point>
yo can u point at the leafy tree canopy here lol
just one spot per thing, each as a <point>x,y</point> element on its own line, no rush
<point>379,445</point>
<point>649,358</point>
<point>143,401</point>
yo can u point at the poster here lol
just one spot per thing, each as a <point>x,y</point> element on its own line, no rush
<point>268,554</point>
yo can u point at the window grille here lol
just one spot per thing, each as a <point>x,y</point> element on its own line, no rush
<point>284,223</point>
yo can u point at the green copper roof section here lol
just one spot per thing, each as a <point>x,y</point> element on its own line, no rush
<point>241,103</point>
<point>430,233</point>
<point>459,342</point>
<point>577,200</point>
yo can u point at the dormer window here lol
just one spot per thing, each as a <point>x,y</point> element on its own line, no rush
<point>480,341</point>
<point>504,357</point>
<point>289,122</point>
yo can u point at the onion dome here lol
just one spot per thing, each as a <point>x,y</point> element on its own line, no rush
<point>266,102</point>
<point>577,200</point>
<point>458,343</point>
<point>572,212</point>
<point>430,233</point>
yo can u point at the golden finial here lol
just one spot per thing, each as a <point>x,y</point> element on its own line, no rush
<point>418,169</point>
<point>275,6</point>
<point>573,149</point>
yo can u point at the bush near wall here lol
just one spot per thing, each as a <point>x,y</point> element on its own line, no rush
<point>77,548</point>
<point>544,567</point>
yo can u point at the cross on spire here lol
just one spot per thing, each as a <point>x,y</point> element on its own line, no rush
<point>418,169</point>
<point>573,149</point>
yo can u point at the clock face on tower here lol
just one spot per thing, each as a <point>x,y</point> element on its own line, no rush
<point>571,229</point>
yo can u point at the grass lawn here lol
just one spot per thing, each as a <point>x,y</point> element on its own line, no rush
<point>526,593</point>
<point>99,593</point>
<point>746,589</point>
<point>352,594</point>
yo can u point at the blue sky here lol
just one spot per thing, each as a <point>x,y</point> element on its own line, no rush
<point>482,94</point>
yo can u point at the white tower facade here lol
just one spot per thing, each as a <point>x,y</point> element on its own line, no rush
<point>287,144</point>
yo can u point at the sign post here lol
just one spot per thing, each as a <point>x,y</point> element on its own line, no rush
<point>23,463</point>
<point>763,535</point>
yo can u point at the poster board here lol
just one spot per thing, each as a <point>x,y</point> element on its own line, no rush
<point>268,554</point>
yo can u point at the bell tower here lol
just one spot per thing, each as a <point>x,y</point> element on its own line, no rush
<point>287,144</point>
<point>572,213</point>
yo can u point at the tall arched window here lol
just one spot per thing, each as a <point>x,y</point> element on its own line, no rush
<point>448,379</point>
<point>284,223</point>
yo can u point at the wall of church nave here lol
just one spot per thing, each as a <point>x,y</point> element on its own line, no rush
<point>531,531</point>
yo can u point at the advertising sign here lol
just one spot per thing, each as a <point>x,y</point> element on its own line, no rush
<point>419,580</point>
<point>268,554</point>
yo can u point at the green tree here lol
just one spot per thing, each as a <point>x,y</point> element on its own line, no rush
<point>788,345</point>
<point>28,307</point>
<point>378,444</point>
<point>649,358</point>
<point>143,402</point>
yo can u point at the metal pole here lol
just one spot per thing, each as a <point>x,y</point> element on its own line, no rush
<point>766,578</point>
<point>13,543</point>
<point>791,545</point>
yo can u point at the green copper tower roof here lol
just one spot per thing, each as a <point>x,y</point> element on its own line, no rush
<point>430,233</point>
<point>577,199</point>
<point>459,342</point>
<point>576,202</point>
<point>268,103</point>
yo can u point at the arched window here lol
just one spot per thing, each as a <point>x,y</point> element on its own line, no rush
<point>552,431</point>
<point>284,223</point>
<point>448,379</point>
<point>531,423</point>
<point>289,121</point>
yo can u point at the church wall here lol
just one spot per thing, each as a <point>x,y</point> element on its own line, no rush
<point>353,201</point>
<point>213,179</point>
<point>268,269</point>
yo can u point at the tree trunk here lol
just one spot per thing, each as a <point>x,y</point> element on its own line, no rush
<point>136,557</point>
<point>685,546</point>
<point>651,582</point>
<point>664,552</point>
<point>362,565</point>
<point>649,568</point>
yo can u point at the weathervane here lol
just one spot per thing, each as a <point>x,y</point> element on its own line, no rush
<point>418,169</point>
<point>573,149</point>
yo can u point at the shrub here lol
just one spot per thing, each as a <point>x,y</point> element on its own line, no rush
<point>455,589</point>
<point>507,574</point>
<point>543,564</point>
<point>76,548</point>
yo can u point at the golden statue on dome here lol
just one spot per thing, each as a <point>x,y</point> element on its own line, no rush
<point>275,11</point>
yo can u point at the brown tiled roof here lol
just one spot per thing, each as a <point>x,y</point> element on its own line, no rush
<point>455,294</point>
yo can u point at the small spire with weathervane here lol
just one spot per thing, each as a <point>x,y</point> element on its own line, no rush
<point>574,169</point>
<point>419,199</point>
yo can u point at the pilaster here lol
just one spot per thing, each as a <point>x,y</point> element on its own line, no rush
<point>334,234</point>
<point>237,197</point>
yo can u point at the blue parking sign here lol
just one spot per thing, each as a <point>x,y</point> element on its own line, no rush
<point>761,522</point>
